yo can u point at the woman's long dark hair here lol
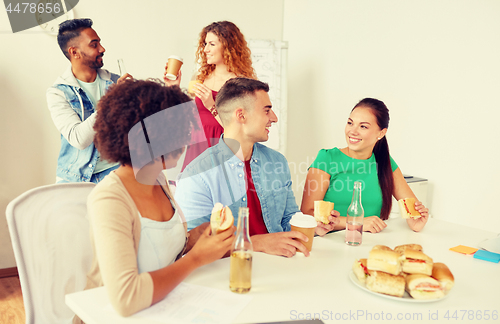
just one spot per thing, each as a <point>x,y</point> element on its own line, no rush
<point>381,151</point>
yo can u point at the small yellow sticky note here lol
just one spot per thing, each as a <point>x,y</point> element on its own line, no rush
<point>463,249</point>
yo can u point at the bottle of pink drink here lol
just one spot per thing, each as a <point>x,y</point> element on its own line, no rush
<point>355,216</point>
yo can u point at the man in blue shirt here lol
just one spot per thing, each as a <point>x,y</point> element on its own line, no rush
<point>240,172</point>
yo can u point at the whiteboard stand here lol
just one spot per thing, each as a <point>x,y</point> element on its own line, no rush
<point>269,59</point>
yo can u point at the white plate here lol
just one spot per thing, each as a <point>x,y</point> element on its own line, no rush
<point>406,297</point>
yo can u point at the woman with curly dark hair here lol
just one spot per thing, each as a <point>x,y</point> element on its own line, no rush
<point>222,54</point>
<point>138,232</point>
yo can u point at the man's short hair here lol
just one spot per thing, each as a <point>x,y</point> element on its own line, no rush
<point>235,93</point>
<point>69,30</point>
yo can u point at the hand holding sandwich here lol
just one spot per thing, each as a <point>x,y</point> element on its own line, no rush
<point>416,224</point>
<point>333,220</point>
<point>209,248</point>
<point>326,216</point>
<point>402,191</point>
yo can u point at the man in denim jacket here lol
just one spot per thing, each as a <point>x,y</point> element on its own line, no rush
<point>240,172</point>
<point>72,101</point>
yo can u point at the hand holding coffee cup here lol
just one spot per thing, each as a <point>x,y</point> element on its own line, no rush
<point>173,67</point>
<point>176,82</point>
<point>305,224</point>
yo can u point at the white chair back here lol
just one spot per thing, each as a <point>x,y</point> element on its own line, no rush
<point>49,230</point>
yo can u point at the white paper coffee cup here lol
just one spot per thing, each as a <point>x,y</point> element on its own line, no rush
<point>174,65</point>
<point>305,224</point>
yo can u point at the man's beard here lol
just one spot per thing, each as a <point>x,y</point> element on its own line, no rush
<point>95,64</point>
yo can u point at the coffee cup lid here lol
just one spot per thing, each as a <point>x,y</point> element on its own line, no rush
<point>178,58</point>
<point>301,220</point>
<point>170,76</point>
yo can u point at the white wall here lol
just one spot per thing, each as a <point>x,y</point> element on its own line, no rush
<point>143,33</point>
<point>434,63</point>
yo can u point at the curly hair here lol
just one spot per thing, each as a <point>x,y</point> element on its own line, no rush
<point>236,54</point>
<point>130,103</point>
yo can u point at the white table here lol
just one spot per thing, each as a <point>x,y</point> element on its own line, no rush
<point>294,288</point>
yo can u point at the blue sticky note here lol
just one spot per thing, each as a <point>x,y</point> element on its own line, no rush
<point>487,256</point>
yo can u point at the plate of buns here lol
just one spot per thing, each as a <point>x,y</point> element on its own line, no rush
<point>403,274</point>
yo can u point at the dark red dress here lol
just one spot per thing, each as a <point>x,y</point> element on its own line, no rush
<point>206,137</point>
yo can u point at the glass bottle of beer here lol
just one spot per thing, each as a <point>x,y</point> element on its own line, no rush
<point>355,216</point>
<point>240,276</point>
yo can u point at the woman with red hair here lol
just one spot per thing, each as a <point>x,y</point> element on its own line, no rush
<point>223,54</point>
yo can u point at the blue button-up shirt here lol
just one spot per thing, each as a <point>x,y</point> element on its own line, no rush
<point>217,175</point>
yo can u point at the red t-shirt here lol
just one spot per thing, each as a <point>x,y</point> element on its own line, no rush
<point>255,221</point>
<point>207,136</point>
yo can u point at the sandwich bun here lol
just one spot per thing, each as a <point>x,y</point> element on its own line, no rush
<point>360,270</point>
<point>407,208</point>
<point>382,247</point>
<point>221,218</point>
<point>322,210</point>
<point>402,248</point>
<point>385,283</point>
<point>416,262</point>
<point>443,275</point>
<point>386,261</point>
<point>420,286</point>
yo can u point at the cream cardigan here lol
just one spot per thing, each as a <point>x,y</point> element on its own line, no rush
<point>115,230</point>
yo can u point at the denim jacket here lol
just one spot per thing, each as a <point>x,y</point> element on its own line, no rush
<point>217,175</point>
<point>74,115</point>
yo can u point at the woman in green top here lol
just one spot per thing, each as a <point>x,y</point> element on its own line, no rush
<point>332,175</point>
